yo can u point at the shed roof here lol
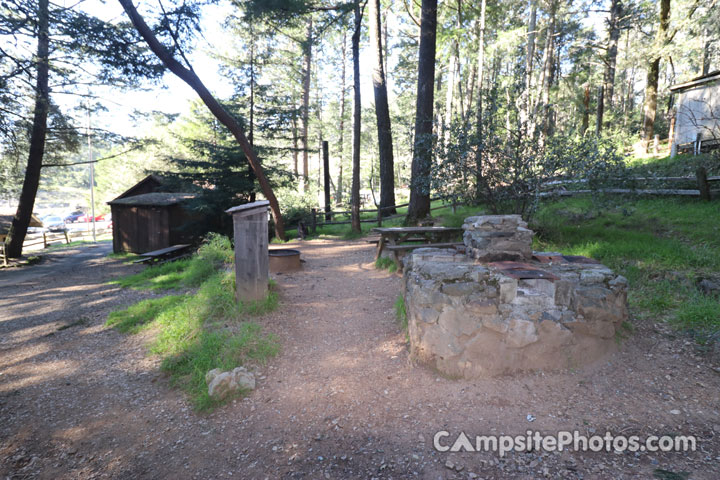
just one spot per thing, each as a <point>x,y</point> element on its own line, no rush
<point>6,221</point>
<point>154,180</point>
<point>156,199</point>
<point>697,81</point>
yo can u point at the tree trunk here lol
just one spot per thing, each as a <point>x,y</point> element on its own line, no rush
<point>600,110</point>
<point>606,98</point>
<point>382,112</point>
<point>450,93</point>
<point>529,65</point>
<point>295,144</point>
<point>586,110</point>
<point>548,70</point>
<point>650,107</point>
<point>341,146</point>
<point>420,182</point>
<point>187,74</point>
<point>23,215</point>
<point>251,126</point>
<point>653,74</point>
<point>307,59</point>
<point>479,113</point>
<point>355,190</point>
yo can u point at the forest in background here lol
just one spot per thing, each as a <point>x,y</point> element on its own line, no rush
<point>515,87</point>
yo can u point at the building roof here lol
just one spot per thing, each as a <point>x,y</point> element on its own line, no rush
<point>697,81</point>
<point>156,199</point>
<point>6,221</point>
<point>155,180</point>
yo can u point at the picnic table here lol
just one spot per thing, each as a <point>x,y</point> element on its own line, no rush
<point>162,255</point>
<point>392,238</point>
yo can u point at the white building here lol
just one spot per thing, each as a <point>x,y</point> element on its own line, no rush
<point>697,117</point>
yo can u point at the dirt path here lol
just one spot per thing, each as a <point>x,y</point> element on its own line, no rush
<point>342,400</point>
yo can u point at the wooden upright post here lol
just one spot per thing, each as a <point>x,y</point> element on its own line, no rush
<point>326,171</point>
<point>703,184</point>
<point>250,222</point>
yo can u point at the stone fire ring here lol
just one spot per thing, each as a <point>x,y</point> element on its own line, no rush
<point>500,309</point>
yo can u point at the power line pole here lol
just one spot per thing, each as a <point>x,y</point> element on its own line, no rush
<point>92,173</point>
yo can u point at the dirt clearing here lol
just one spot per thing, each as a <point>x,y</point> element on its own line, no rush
<point>341,400</point>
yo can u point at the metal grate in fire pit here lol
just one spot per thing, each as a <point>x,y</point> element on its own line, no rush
<point>557,258</point>
<point>522,271</point>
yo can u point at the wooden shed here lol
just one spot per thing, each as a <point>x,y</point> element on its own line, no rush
<point>697,116</point>
<point>149,184</point>
<point>150,221</point>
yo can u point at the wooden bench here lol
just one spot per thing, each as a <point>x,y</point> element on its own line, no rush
<point>163,255</point>
<point>401,249</point>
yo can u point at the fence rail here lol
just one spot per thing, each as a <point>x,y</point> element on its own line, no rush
<point>701,179</point>
<point>316,212</point>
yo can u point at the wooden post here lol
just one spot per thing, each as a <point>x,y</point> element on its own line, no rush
<point>67,239</point>
<point>44,240</point>
<point>313,222</point>
<point>656,144</point>
<point>703,184</point>
<point>326,171</point>
<point>250,222</point>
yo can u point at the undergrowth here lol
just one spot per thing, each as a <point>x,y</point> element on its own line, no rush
<point>663,246</point>
<point>200,331</point>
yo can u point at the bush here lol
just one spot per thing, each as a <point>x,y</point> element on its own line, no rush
<point>295,206</point>
<point>515,168</point>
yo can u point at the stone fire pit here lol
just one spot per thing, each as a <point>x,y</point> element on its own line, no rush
<point>500,308</point>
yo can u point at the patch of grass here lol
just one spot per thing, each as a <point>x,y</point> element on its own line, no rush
<point>138,316</point>
<point>204,330</point>
<point>215,252</point>
<point>660,245</point>
<point>384,263</point>
<point>157,277</point>
<point>126,256</point>
<point>74,243</point>
<point>400,312</point>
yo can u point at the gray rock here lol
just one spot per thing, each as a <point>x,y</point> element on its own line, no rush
<point>221,384</point>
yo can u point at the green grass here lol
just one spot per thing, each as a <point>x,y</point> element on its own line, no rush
<point>401,313</point>
<point>184,273</point>
<point>74,243</point>
<point>142,314</point>
<point>200,331</point>
<point>661,245</point>
<point>384,263</point>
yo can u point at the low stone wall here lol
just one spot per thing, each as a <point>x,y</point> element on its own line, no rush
<point>470,319</point>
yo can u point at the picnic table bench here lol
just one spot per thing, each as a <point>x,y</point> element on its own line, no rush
<point>393,238</point>
<point>163,255</point>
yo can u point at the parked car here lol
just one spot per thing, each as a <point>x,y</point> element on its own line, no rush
<point>54,223</point>
<point>73,217</point>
